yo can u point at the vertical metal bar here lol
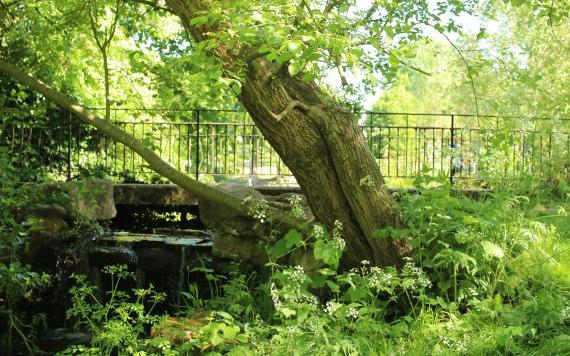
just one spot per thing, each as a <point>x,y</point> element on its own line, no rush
<point>207,155</point>
<point>179,145</point>
<point>389,148</point>
<point>132,151</point>
<point>124,127</point>
<point>433,148</point>
<point>69,140</point>
<point>523,152</point>
<point>215,142</point>
<point>169,140</point>
<point>550,155</point>
<point>243,143</point>
<point>397,151</point>
<point>252,148</point>
<point>235,128</point>
<point>451,144</point>
<point>188,148</point>
<point>197,163</point>
<point>226,149</point>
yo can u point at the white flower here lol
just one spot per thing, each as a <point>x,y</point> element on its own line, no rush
<point>298,275</point>
<point>297,209</point>
<point>329,307</point>
<point>352,313</point>
<point>275,296</point>
<point>318,231</point>
<point>566,314</point>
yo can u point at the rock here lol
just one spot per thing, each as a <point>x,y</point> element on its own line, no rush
<point>235,235</point>
<point>60,339</point>
<point>92,199</point>
<point>49,211</point>
<point>47,221</point>
<point>107,256</point>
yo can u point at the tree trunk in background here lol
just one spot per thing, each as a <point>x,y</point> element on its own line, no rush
<point>323,146</point>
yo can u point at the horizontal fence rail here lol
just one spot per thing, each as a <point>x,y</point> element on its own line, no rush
<point>225,145</point>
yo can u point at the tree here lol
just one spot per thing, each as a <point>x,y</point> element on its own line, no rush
<point>270,53</point>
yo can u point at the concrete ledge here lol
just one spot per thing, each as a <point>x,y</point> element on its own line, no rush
<point>152,194</point>
<point>170,194</point>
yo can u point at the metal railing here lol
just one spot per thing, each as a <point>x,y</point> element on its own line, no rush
<point>219,145</point>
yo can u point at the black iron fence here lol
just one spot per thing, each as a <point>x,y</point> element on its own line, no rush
<point>222,145</point>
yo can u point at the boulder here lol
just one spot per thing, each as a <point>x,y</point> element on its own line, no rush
<point>92,199</point>
<point>235,235</point>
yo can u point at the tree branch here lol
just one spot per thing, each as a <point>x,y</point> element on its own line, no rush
<point>157,164</point>
<point>155,5</point>
<point>292,105</point>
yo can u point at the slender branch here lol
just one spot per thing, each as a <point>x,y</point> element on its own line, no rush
<point>155,5</point>
<point>406,64</point>
<point>551,25</point>
<point>157,164</point>
<point>113,27</point>
<point>94,25</point>
<point>469,72</point>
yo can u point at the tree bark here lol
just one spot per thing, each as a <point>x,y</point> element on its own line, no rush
<point>321,143</point>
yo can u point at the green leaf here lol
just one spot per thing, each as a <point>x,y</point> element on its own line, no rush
<point>295,47</point>
<point>284,245</point>
<point>199,21</point>
<point>287,312</point>
<point>335,288</point>
<point>393,59</point>
<point>326,252</point>
<point>295,67</point>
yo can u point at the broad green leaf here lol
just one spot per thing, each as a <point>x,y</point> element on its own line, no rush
<point>295,67</point>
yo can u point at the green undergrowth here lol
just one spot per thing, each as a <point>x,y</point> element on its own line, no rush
<point>487,276</point>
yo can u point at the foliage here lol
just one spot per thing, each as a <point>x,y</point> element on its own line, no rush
<point>17,281</point>
<point>484,278</point>
<point>115,322</point>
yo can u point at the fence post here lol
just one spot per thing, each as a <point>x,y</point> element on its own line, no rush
<point>452,147</point>
<point>69,143</point>
<point>197,144</point>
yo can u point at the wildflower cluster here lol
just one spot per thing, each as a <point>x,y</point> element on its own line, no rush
<point>352,313</point>
<point>256,208</point>
<point>297,209</point>
<point>318,232</point>
<point>275,297</point>
<point>298,275</point>
<point>414,276</point>
<point>566,314</point>
<point>338,242</point>
<point>291,294</point>
<point>380,279</point>
<point>329,307</point>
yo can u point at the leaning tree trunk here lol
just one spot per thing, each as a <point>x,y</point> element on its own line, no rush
<point>320,142</point>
